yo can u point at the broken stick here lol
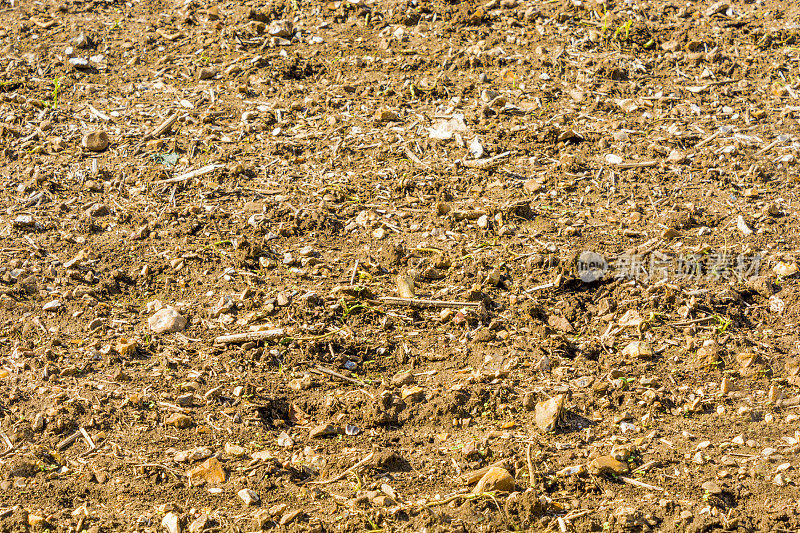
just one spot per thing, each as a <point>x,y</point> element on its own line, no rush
<point>708,139</point>
<point>637,483</point>
<point>770,146</point>
<point>356,466</point>
<point>417,302</point>
<point>237,338</point>
<point>69,440</point>
<point>414,159</point>
<point>88,438</point>
<point>163,127</point>
<point>487,163</point>
<point>640,164</point>
<point>192,174</point>
<point>329,372</point>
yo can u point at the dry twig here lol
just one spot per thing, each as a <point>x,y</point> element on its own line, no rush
<point>417,302</point>
<point>487,163</point>
<point>192,174</point>
<point>337,375</point>
<point>344,474</point>
<point>163,127</point>
<point>237,338</point>
<point>68,441</point>
<point>87,438</point>
<point>637,483</point>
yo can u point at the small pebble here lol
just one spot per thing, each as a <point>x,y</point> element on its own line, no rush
<point>248,496</point>
<point>712,487</point>
<point>167,320</point>
<point>95,141</point>
<point>179,420</point>
<point>52,305</point>
<point>206,73</point>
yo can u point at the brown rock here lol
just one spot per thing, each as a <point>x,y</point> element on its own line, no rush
<point>405,286</point>
<point>179,420</point>
<point>605,464</point>
<point>403,378</point>
<point>302,383</point>
<point>199,524</point>
<point>289,517</point>
<point>235,450</point>
<point>746,359</point>
<point>195,454</point>
<point>560,323</point>
<point>548,413</point>
<point>172,523</point>
<point>712,487</point>
<point>762,285</point>
<point>717,7</point>
<point>532,186</point>
<point>98,209</point>
<point>125,347</point>
<point>206,73</point>
<point>529,401</point>
<point>638,350</point>
<point>708,355</point>
<point>677,157</point>
<point>382,501</point>
<point>324,430</point>
<point>248,496</point>
<point>386,115</point>
<point>495,479</point>
<point>95,141</point>
<point>209,471</point>
<point>726,385</point>
<point>167,320</point>
<point>669,233</point>
<point>412,393</point>
<point>785,269</point>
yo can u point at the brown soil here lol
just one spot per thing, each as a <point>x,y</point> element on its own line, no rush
<point>643,130</point>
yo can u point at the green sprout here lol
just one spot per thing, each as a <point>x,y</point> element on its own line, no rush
<point>626,28</point>
<point>722,324</point>
<point>56,87</point>
<point>605,21</point>
<point>348,310</point>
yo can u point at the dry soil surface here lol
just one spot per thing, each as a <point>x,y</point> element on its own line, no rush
<point>389,203</point>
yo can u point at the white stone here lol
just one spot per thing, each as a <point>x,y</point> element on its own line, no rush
<point>742,226</point>
<point>171,522</point>
<point>78,62</point>
<point>284,440</point>
<point>248,496</point>
<point>53,305</point>
<point>195,454</point>
<point>167,320</point>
